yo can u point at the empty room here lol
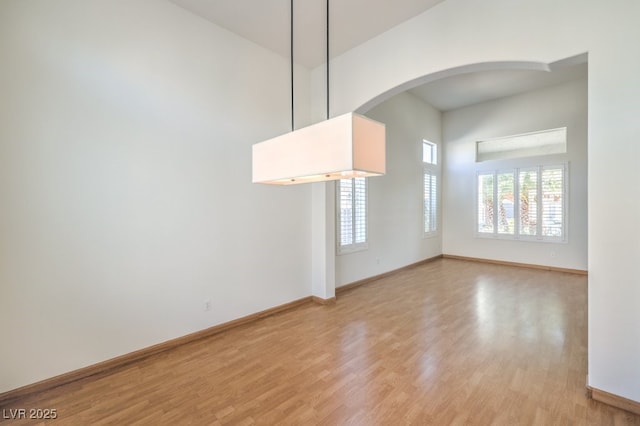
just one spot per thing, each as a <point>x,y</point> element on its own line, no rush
<point>319,212</point>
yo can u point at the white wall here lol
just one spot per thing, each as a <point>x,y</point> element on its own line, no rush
<point>558,106</point>
<point>125,180</point>
<point>458,33</point>
<point>395,200</point>
<point>110,111</point>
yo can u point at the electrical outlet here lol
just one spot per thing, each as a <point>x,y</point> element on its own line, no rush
<point>207,304</point>
<point>377,261</point>
<point>553,254</point>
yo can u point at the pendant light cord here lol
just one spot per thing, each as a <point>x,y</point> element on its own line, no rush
<point>291,59</point>
<point>327,59</point>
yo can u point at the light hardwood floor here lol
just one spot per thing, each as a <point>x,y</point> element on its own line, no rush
<point>448,342</point>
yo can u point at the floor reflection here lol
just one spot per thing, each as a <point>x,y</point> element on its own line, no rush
<point>532,314</point>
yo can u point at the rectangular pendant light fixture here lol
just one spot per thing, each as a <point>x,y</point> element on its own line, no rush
<point>343,147</point>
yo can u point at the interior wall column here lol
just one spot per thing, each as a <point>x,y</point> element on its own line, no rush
<point>323,264</point>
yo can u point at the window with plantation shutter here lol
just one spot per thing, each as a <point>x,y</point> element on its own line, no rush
<point>527,203</point>
<point>485,203</point>
<point>430,202</point>
<point>528,206</point>
<point>352,214</point>
<point>505,203</point>
<point>430,188</point>
<point>553,195</point>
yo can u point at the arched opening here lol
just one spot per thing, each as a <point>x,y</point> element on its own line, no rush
<point>452,110</point>
<point>469,69</point>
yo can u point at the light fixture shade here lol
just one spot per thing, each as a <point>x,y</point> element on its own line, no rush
<point>343,147</point>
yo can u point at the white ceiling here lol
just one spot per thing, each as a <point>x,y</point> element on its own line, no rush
<point>267,22</point>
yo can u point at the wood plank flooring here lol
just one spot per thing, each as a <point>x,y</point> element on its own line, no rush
<point>450,342</point>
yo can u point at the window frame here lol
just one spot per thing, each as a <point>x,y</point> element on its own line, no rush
<point>529,144</point>
<point>539,237</point>
<point>432,169</point>
<point>433,147</point>
<point>352,247</point>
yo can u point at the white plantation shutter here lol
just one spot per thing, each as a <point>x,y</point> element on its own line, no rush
<point>528,190</point>
<point>430,201</point>
<point>553,202</point>
<point>346,212</point>
<point>352,214</point>
<point>429,188</point>
<point>486,207</point>
<point>360,210</point>
<point>504,211</point>
<point>528,203</point>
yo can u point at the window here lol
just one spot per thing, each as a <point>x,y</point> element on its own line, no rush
<point>527,203</point>
<point>430,187</point>
<point>352,214</point>
<point>430,204</point>
<point>545,142</point>
<point>429,152</point>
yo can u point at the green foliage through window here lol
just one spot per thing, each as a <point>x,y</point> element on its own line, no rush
<point>526,203</point>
